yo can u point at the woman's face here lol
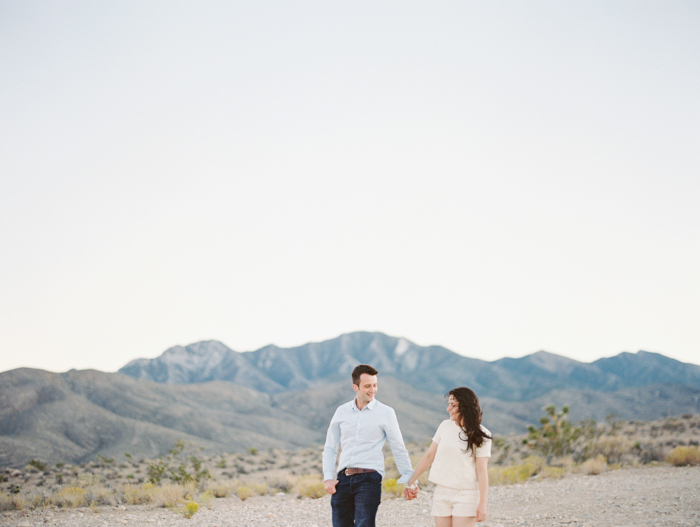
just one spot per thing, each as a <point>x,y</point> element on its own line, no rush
<point>453,408</point>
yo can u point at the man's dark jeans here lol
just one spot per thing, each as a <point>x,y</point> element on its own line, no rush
<point>356,499</point>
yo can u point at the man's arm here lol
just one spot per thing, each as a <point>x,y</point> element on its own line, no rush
<point>393,435</point>
<point>330,454</point>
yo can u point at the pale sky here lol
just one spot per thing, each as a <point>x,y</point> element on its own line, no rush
<point>495,177</point>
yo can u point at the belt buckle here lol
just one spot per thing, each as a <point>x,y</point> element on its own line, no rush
<point>347,470</point>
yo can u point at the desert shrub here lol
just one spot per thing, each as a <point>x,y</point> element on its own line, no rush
<point>535,462</point>
<point>511,474</point>
<point>206,498</point>
<point>390,486</point>
<point>683,456</point>
<point>556,434</point>
<point>310,486</point>
<point>102,460</point>
<point>6,503</point>
<point>87,480</point>
<point>99,495</point>
<point>220,490</point>
<point>243,492</point>
<point>612,447</point>
<point>138,494</point>
<point>171,494</point>
<point>35,466</point>
<point>261,489</point>
<point>594,465</point>
<point>181,465</point>
<point>553,472</point>
<point>189,509</point>
<point>282,484</point>
<point>69,497</point>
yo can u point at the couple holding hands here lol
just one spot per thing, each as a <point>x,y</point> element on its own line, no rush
<point>458,455</point>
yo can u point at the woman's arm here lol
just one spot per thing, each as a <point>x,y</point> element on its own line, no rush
<point>424,463</point>
<point>482,475</point>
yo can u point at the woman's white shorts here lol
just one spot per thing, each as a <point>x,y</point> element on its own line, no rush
<point>454,502</point>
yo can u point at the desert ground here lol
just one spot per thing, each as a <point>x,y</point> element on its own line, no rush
<point>660,496</point>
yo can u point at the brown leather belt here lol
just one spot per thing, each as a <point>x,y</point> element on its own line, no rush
<point>353,471</point>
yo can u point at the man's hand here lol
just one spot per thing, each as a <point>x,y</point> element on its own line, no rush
<point>330,485</point>
<point>411,491</point>
<point>481,512</point>
<point>410,494</point>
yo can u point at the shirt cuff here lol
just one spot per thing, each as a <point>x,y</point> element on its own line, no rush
<point>326,477</point>
<point>404,479</point>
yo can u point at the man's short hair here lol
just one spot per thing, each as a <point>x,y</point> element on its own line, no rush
<point>359,370</point>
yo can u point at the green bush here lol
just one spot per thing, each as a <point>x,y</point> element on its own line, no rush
<point>555,436</point>
<point>181,465</point>
<point>37,464</point>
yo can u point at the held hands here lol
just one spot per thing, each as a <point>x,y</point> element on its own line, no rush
<point>330,485</point>
<point>411,491</point>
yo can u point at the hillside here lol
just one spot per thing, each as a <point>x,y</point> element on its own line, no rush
<point>73,416</point>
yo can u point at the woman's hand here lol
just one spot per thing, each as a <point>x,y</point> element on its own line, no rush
<point>481,512</point>
<point>410,492</point>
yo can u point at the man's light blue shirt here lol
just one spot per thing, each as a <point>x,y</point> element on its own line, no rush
<point>361,435</point>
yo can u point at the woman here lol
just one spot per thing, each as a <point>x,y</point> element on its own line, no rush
<point>459,455</point>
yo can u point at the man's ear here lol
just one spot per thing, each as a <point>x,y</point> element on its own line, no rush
<point>356,388</point>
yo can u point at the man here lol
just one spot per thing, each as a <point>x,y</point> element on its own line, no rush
<point>361,426</point>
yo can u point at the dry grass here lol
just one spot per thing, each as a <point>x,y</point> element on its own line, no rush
<point>683,456</point>
<point>509,475</point>
<point>612,447</point>
<point>220,490</point>
<point>553,472</point>
<point>69,497</point>
<point>139,494</point>
<point>310,487</point>
<point>594,466</point>
<point>171,495</point>
<point>7,503</point>
<point>243,492</point>
<point>100,495</point>
<point>513,474</point>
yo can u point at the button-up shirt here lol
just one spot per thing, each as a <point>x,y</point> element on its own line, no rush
<point>362,434</point>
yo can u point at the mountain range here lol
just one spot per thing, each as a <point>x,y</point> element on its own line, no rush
<point>433,368</point>
<point>228,401</point>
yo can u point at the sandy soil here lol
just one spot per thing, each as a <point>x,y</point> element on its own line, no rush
<point>659,496</point>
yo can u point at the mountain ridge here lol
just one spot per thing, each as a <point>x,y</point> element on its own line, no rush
<point>436,369</point>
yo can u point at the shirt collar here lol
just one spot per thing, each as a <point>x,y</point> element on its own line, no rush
<point>370,405</point>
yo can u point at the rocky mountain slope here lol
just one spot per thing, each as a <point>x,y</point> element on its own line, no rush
<point>73,416</point>
<point>433,369</point>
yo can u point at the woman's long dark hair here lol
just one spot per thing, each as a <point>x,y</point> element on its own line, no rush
<point>470,414</point>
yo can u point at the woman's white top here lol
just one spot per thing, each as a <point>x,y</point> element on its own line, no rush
<point>453,467</point>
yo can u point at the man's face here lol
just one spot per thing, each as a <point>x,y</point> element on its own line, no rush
<point>367,388</point>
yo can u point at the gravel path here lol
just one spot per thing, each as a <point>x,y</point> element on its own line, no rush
<point>659,496</point>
